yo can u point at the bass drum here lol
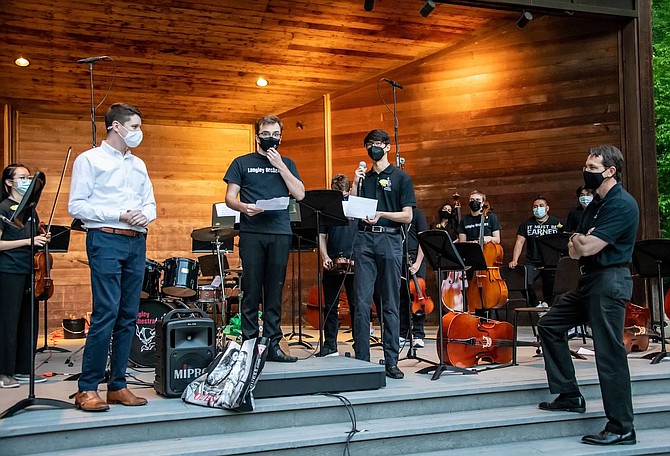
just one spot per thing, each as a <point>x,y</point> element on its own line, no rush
<point>143,348</point>
<point>181,277</point>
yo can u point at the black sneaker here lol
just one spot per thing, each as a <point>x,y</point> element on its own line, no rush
<point>327,352</point>
<point>394,372</point>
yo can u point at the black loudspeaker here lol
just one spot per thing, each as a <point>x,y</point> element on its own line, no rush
<point>184,349</point>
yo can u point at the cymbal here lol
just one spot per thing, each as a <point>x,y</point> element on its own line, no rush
<point>209,234</point>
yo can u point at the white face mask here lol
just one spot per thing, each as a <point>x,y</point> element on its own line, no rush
<point>584,200</point>
<point>133,138</point>
<point>22,186</point>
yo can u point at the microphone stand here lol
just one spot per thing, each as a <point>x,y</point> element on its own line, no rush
<point>399,163</point>
<point>93,126</point>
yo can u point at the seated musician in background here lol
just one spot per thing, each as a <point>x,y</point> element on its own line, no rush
<point>265,236</point>
<point>448,221</point>
<point>116,212</point>
<point>378,248</point>
<point>540,224</point>
<point>469,227</point>
<point>15,282</point>
<point>603,244</point>
<point>584,196</point>
<point>417,265</point>
<point>337,242</point>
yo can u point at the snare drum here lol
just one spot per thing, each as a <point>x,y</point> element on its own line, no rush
<point>181,277</point>
<point>152,276</point>
<point>143,348</point>
<point>209,293</point>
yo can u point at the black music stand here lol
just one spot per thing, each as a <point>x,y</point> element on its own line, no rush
<point>442,255</point>
<point>320,209</point>
<point>301,241</point>
<point>552,248</point>
<point>22,214</point>
<point>651,258</point>
<point>60,242</point>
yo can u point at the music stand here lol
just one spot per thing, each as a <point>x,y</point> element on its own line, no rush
<point>552,247</point>
<point>23,213</point>
<point>651,258</point>
<point>320,209</point>
<point>442,255</point>
<point>60,242</point>
<point>301,240</point>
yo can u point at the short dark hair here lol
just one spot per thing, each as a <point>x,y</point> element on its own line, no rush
<point>540,197</point>
<point>120,112</point>
<point>611,156</point>
<point>8,174</point>
<point>269,119</point>
<point>340,182</point>
<point>377,135</point>
<point>578,192</point>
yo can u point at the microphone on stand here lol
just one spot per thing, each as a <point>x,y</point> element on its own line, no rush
<point>393,83</point>
<point>93,59</point>
<point>362,166</point>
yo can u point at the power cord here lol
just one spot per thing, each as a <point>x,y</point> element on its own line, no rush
<point>349,407</point>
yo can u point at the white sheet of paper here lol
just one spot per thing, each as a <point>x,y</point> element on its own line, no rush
<point>223,210</point>
<point>360,208</point>
<point>274,204</point>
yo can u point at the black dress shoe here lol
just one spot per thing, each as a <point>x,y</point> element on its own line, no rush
<point>277,355</point>
<point>394,372</point>
<point>608,438</point>
<point>328,352</point>
<point>565,404</point>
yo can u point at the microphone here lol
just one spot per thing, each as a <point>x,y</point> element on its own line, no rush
<point>362,166</point>
<point>393,83</point>
<point>92,59</point>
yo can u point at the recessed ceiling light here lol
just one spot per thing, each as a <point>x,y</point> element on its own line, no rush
<point>22,62</point>
<point>261,82</point>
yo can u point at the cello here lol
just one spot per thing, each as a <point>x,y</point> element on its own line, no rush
<point>636,328</point>
<point>487,289</point>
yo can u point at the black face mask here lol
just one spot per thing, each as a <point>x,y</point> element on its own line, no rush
<point>475,205</point>
<point>593,180</point>
<point>376,153</point>
<point>444,214</point>
<point>268,143</point>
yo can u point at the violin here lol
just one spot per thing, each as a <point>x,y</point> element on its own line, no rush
<point>666,304</point>
<point>488,289</point>
<point>421,304</point>
<point>44,287</point>
<point>467,340</point>
<point>636,328</point>
<point>342,265</point>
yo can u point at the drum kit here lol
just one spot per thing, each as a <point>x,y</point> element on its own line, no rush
<point>178,288</point>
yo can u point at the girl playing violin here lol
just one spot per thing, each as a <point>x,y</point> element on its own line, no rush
<point>15,277</point>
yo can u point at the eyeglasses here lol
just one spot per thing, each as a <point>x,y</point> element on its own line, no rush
<point>376,144</point>
<point>595,168</point>
<point>267,134</point>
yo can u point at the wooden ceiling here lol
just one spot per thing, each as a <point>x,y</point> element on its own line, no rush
<point>199,59</point>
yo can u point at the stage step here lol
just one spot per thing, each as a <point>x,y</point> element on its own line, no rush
<point>483,415</point>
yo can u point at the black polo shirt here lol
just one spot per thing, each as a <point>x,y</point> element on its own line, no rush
<point>470,226</point>
<point>615,219</point>
<point>418,225</point>
<point>392,188</point>
<point>341,239</point>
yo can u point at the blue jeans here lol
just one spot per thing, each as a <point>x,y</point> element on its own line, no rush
<point>117,272</point>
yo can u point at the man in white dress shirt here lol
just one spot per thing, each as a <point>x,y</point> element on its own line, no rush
<point>113,196</point>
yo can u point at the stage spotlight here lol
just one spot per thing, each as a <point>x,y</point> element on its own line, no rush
<point>427,8</point>
<point>369,5</point>
<point>525,18</point>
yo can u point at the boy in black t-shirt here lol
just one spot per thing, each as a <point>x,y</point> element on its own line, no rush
<point>540,224</point>
<point>469,227</point>
<point>265,236</point>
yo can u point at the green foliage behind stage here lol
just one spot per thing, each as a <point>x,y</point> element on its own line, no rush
<point>661,37</point>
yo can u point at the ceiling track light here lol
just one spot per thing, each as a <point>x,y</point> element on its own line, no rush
<point>427,8</point>
<point>525,18</point>
<point>369,5</point>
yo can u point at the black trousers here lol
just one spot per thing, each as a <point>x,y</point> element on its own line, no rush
<point>418,322</point>
<point>332,285</point>
<point>547,276</point>
<point>15,344</point>
<point>600,299</point>
<point>264,258</point>
<point>378,257</point>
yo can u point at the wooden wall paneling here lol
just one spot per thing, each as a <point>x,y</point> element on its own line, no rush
<point>186,163</point>
<point>512,115</point>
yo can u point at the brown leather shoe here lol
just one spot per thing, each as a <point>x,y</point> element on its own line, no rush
<point>90,401</point>
<point>124,396</point>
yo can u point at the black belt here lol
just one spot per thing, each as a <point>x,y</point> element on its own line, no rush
<point>120,231</point>
<point>586,269</point>
<point>381,229</point>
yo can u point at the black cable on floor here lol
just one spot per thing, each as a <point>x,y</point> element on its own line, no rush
<point>349,407</point>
